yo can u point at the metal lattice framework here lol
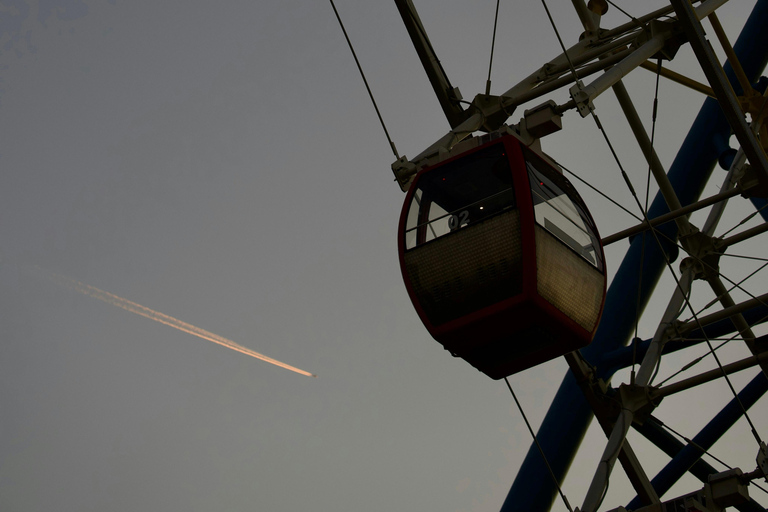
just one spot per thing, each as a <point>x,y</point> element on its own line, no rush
<point>595,64</point>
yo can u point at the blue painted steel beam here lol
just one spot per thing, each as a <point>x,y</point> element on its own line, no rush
<point>624,357</point>
<point>762,206</point>
<point>652,430</point>
<point>688,456</point>
<point>569,415</point>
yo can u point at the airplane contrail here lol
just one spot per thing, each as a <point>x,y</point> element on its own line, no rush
<point>133,307</point>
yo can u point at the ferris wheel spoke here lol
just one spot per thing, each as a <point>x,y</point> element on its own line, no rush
<point>603,404</point>
<point>645,374</point>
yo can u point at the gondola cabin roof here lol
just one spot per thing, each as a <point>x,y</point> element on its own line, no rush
<point>501,257</point>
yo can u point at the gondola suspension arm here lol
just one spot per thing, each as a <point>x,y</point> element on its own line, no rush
<point>448,96</point>
<point>489,113</point>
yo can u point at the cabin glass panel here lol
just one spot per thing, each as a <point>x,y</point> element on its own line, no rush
<point>558,209</point>
<point>570,272</point>
<point>462,236</point>
<point>459,193</point>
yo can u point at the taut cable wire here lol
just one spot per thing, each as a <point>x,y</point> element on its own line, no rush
<point>536,440</point>
<point>701,449</point>
<point>746,219</point>
<point>596,190</point>
<point>622,11</point>
<point>360,68</point>
<point>647,196</point>
<point>493,46</point>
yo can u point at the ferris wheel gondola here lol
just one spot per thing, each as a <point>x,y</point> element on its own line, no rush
<point>501,257</point>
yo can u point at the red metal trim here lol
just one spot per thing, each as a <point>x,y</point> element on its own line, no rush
<point>527,219</point>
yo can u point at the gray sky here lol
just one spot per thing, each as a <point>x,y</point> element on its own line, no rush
<point>223,165</point>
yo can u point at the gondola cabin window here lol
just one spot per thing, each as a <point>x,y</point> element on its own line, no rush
<point>461,192</point>
<point>559,210</point>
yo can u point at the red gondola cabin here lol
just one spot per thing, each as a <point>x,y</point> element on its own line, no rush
<point>501,258</point>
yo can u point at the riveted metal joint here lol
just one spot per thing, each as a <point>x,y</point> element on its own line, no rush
<point>704,256</point>
<point>404,172</point>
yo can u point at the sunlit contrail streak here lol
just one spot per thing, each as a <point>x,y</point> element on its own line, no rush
<point>168,320</point>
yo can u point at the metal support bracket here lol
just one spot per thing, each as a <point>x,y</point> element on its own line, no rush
<point>581,98</point>
<point>672,34</point>
<point>542,120</point>
<point>704,257</point>
<point>404,172</point>
<point>699,501</point>
<point>762,460</point>
<point>638,400</point>
<point>492,109</point>
<point>723,490</point>
<point>728,488</point>
<point>750,182</point>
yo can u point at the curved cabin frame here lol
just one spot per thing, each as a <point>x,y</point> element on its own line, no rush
<point>501,258</point>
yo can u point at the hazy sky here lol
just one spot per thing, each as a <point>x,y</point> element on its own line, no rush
<point>222,164</point>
